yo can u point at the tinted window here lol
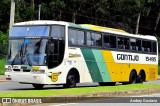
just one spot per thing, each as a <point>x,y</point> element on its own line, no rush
<point>76,37</point>
<point>72,37</point>
<point>133,44</point>
<point>80,37</point>
<point>138,44</point>
<point>149,46</point>
<point>154,47</point>
<point>144,45</point>
<point>113,41</point>
<point>57,32</point>
<point>106,41</point>
<point>121,43</point>
<point>89,39</point>
<point>94,39</point>
<point>127,43</point>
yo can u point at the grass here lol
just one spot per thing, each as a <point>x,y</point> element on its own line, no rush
<point>2,64</point>
<point>59,91</point>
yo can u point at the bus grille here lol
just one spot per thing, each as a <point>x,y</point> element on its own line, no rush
<point>18,70</point>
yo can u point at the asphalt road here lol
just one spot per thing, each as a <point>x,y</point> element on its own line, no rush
<point>15,86</point>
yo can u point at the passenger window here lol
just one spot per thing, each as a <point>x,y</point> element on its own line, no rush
<point>144,45</point>
<point>72,37</point>
<point>133,44</point>
<point>98,39</point>
<point>89,39</point>
<point>113,41</point>
<point>57,32</point>
<point>148,46</point>
<point>127,43</point>
<point>138,45</point>
<point>80,36</point>
<point>154,47</point>
<point>106,40</point>
<point>94,39</point>
<point>121,43</point>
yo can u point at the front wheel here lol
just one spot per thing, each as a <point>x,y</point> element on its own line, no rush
<point>38,86</point>
<point>71,80</point>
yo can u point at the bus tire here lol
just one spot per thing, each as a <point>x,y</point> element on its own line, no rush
<point>71,80</point>
<point>106,83</point>
<point>38,86</point>
<point>141,77</point>
<point>133,77</point>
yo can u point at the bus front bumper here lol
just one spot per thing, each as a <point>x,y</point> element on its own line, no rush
<point>28,78</point>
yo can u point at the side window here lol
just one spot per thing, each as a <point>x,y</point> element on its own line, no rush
<point>98,39</point>
<point>72,37</point>
<point>80,36</point>
<point>127,43</point>
<point>138,44</point>
<point>144,45</point>
<point>94,39</point>
<point>89,40</point>
<point>106,41</point>
<point>154,47</point>
<point>133,44</point>
<point>57,32</point>
<point>121,43</point>
<point>113,41</point>
<point>148,46</point>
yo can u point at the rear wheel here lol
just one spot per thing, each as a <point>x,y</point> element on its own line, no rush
<point>141,77</point>
<point>38,86</point>
<point>107,83</point>
<point>132,78</point>
<point>71,80</point>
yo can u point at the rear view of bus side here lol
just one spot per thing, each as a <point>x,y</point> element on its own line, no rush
<point>66,54</point>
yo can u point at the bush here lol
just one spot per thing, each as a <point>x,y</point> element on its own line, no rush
<point>3,44</point>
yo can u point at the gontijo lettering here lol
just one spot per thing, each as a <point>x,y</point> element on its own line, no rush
<point>127,57</point>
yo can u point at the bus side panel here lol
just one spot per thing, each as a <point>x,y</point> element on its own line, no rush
<point>96,65</point>
<point>118,71</point>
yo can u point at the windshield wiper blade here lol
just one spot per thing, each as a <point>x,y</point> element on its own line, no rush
<point>19,53</point>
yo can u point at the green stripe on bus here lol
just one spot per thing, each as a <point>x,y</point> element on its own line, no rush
<point>102,65</point>
<point>96,65</point>
<point>92,65</point>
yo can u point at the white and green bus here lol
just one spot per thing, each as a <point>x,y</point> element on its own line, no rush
<point>63,53</point>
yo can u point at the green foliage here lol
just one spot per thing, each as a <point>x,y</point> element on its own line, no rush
<point>120,14</point>
<point>3,38</point>
<point>2,64</point>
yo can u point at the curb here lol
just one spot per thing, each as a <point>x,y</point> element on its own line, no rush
<point>97,96</point>
<point>3,80</point>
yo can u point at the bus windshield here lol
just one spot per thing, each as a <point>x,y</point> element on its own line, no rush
<point>30,31</point>
<point>27,52</point>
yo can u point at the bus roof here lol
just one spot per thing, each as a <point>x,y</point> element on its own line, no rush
<point>85,26</point>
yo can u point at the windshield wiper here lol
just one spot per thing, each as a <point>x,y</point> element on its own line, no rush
<point>19,53</point>
<point>26,55</point>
